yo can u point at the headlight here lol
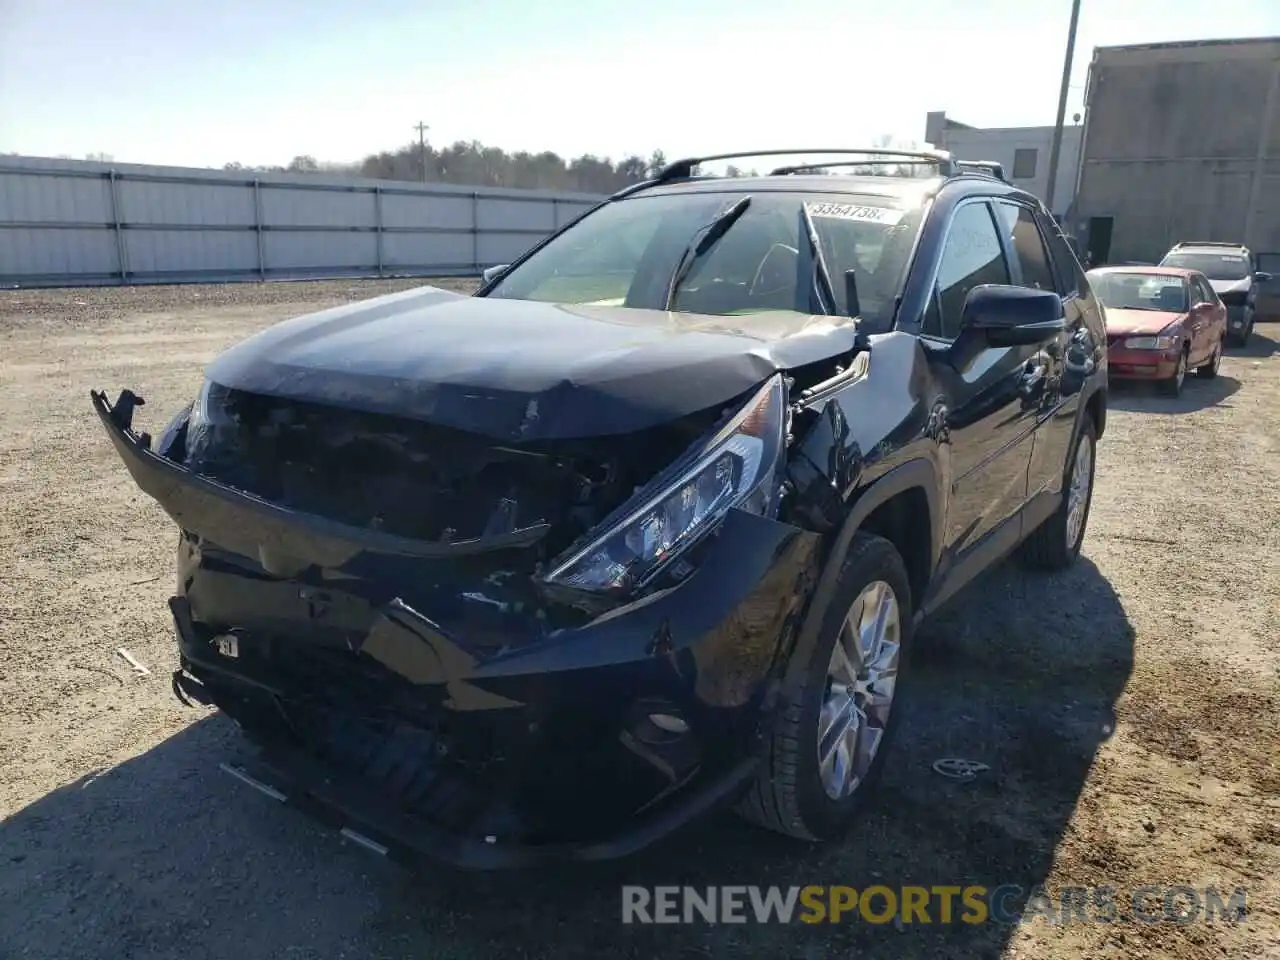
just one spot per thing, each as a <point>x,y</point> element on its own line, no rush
<point>211,432</point>
<point>1166,341</point>
<point>201,417</point>
<point>167,442</point>
<point>737,467</point>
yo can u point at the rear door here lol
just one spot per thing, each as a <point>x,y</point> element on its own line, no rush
<point>1216,325</point>
<point>1044,394</point>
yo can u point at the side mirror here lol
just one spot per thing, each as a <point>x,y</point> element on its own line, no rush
<point>493,273</point>
<point>1263,277</point>
<point>1008,316</point>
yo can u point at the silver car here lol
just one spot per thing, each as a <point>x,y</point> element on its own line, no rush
<point>1233,274</point>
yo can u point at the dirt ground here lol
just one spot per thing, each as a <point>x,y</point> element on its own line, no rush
<point>1127,709</point>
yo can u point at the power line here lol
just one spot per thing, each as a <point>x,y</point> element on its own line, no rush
<point>422,129</point>
<point>1062,104</point>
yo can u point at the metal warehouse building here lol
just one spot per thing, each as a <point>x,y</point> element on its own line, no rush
<point>1181,142</point>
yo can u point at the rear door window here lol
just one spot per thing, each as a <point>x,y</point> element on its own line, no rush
<point>1066,268</point>
<point>1019,225</point>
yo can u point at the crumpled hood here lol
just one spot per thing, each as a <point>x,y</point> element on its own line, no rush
<point>1145,322</point>
<point>1231,286</point>
<point>522,370</point>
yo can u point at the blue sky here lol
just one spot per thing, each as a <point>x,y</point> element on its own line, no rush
<point>260,81</point>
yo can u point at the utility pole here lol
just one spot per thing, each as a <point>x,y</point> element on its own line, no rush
<point>1062,104</point>
<point>422,129</point>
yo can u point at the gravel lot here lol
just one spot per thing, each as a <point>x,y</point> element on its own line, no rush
<point>1128,710</point>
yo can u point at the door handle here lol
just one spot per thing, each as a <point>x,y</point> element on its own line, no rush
<point>1034,374</point>
<point>1035,369</point>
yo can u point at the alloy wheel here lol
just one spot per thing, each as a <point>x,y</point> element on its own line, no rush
<point>861,681</point>
<point>1078,492</point>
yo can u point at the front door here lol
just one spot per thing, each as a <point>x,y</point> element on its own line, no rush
<point>1200,319</point>
<point>988,419</point>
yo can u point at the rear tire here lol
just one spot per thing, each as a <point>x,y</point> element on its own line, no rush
<point>1172,387</point>
<point>1209,369</point>
<point>796,793</point>
<point>1055,544</point>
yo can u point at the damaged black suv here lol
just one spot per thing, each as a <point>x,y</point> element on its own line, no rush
<point>643,526</point>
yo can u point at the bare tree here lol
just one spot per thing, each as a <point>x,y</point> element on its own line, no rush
<point>303,164</point>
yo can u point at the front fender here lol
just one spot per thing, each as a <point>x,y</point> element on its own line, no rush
<point>916,473</point>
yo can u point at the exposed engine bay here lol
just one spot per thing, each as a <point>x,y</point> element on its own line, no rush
<point>418,480</point>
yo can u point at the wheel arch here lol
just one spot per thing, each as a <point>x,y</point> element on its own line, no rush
<point>902,506</point>
<point>1095,406</point>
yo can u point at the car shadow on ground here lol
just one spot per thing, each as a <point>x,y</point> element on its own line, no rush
<point>165,856</point>
<point>1138,396</point>
<point>1263,343</point>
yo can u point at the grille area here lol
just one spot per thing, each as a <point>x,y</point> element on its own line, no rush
<point>419,480</point>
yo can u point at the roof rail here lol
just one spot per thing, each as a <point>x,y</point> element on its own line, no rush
<point>1208,243</point>
<point>683,169</point>
<point>990,168</point>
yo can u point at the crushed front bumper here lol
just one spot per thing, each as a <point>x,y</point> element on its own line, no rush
<point>359,664</point>
<point>295,776</point>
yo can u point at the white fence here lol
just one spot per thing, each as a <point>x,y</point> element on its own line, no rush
<point>70,222</point>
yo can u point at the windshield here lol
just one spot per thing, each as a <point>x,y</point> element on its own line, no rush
<point>627,253</point>
<point>1215,266</point>
<point>1140,291</point>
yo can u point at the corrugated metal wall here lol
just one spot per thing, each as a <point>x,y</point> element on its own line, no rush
<point>1182,142</point>
<point>69,222</point>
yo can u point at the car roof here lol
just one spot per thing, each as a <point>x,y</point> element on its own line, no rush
<point>910,190</point>
<point>1145,271</point>
<point>1238,248</point>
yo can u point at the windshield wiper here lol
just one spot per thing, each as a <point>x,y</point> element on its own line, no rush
<point>821,276</point>
<point>704,240</point>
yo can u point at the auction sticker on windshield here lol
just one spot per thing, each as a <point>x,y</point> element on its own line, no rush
<point>853,211</point>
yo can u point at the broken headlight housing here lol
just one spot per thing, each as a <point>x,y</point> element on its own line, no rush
<point>737,467</point>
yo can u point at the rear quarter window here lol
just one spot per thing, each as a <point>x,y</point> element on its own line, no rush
<point>1066,268</point>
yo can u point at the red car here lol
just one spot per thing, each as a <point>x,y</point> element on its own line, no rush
<point>1161,322</point>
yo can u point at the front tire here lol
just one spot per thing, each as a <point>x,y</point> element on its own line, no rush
<point>1209,369</point>
<point>830,732</point>
<point>1241,339</point>
<point>1055,544</point>
<point>1172,387</point>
